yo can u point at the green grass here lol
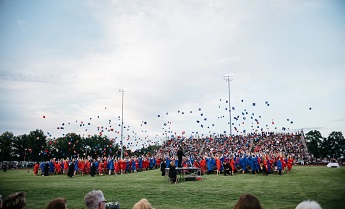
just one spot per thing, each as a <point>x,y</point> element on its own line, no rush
<point>325,185</point>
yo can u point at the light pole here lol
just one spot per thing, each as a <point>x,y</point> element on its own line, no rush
<point>122,90</point>
<point>228,78</point>
<point>25,154</point>
<point>86,148</point>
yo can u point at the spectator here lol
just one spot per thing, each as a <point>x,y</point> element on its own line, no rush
<point>172,172</point>
<point>95,200</point>
<point>143,204</point>
<point>308,204</point>
<point>248,201</point>
<point>57,203</point>
<point>15,201</point>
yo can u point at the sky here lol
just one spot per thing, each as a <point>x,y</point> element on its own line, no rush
<point>62,64</point>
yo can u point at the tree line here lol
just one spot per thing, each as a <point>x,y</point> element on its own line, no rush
<point>36,146</point>
<point>332,146</point>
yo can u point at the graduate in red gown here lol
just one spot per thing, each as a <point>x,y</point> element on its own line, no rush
<point>57,167</point>
<point>203,165</point>
<point>290,162</point>
<point>105,163</point>
<point>87,166</point>
<point>218,164</point>
<point>232,165</point>
<point>117,167</point>
<point>100,167</point>
<point>65,166</point>
<point>36,166</point>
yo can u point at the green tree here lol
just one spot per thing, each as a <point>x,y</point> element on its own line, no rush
<point>97,145</point>
<point>334,145</point>
<point>21,146</point>
<point>6,148</point>
<point>150,150</point>
<point>314,140</point>
<point>37,145</point>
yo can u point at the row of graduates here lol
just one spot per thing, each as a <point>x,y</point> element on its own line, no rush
<point>100,166</point>
<point>228,164</point>
<point>240,163</point>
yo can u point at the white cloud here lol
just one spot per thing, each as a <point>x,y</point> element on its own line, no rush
<point>171,56</point>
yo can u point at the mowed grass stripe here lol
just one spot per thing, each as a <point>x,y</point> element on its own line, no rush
<point>325,185</point>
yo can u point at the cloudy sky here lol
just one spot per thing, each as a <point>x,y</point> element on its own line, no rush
<point>63,62</point>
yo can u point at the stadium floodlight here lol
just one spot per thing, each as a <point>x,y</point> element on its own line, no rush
<point>122,91</point>
<point>228,78</point>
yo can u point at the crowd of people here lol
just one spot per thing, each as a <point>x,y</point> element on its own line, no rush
<point>265,153</point>
<point>95,200</point>
<point>101,166</point>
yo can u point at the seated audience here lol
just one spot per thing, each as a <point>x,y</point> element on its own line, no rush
<point>247,201</point>
<point>95,200</point>
<point>57,203</point>
<point>308,204</point>
<point>15,201</point>
<point>143,204</point>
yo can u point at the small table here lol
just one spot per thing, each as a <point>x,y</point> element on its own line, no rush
<point>187,172</point>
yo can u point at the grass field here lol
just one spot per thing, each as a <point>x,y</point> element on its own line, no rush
<point>326,185</point>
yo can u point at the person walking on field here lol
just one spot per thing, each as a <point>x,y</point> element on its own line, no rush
<point>180,154</point>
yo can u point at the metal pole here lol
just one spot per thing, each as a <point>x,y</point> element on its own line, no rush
<point>122,128</point>
<point>229,109</point>
<point>123,92</point>
<point>228,78</point>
